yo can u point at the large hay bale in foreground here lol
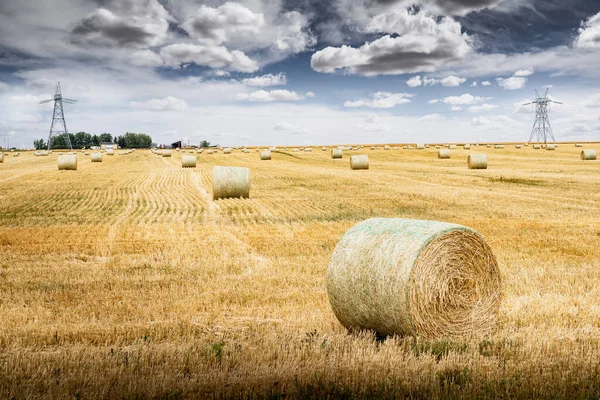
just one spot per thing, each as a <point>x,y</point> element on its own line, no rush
<point>443,154</point>
<point>231,182</point>
<point>265,155</point>
<point>550,146</point>
<point>188,161</point>
<point>336,153</point>
<point>588,154</point>
<point>412,277</point>
<point>477,161</point>
<point>359,161</point>
<point>96,157</point>
<point>166,153</point>
<point>67,162</point>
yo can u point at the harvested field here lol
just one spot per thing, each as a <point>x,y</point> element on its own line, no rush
<point>124,278</point>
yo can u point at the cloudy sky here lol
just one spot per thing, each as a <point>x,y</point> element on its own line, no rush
<point>300,71</point>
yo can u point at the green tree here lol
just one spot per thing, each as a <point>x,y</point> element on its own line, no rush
<point>40,144</point>
<point>59,142</point>
<point>204,143</point>
<point>106,138</point>
<point>95,140</point>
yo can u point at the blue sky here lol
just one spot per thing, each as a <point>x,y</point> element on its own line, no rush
<point>301,72</point>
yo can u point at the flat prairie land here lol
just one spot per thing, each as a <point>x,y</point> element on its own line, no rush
<point>123,279</point>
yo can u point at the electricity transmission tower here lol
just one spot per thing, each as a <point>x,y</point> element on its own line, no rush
<point>541,127</point>
<point>59,125</point>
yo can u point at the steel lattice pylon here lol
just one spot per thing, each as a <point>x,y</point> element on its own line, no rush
<point>541,127</point>
<point>59,125</point>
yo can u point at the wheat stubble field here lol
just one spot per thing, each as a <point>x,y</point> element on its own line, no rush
<point>125,280</point>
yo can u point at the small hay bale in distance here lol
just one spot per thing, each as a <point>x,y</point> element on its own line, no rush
<point>578,145</point>
<point>1,158</point>
<point>499,146</point>
<point>231,182</point>
<point>410,277</point>
<point>443,154</point>
<point>166,153</point>
<point>67,162</point>
<point>96,157</point>
<point>550,146</point>
<point>188,161</point>
<point>386,147</point>
<point>372,147</point>
<point>589,154</point>
<point>308,149</point>
<point>324,148</point>
<point>420,146</point>
<point>517,146</point>
<point>536,146</point>
<point>227,150</point>
<point>359,161</point>
<point>477,161</point>
<point>265,155</point>
<point>452,147</point>
<point>336,153</point>
<point>110,152</point>
<point>467,146</point>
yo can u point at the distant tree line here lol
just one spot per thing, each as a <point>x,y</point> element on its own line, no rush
<point>83,139</point>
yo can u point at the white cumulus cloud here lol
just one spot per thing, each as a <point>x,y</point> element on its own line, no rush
<point>589,33</point>
<point>169,103</point>
<point>420,42</point>
<point>263,96</point>
<point>415,81</point>
<point>465,99</point>
<point>512,83</point>
<point>453,81</point>
<point>525,72</point>
<point>381,100</point>
<point>266,80</point>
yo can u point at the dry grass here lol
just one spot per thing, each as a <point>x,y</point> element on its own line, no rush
<point>123,279</point>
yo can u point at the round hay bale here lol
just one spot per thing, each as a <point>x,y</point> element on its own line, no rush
<point>467,146</point>
<point>231,182</point>
<point>227,150</point>
<point>588,154</point>
<point>438,147</point>
<point>420,146</point>
<point>188,161</point>
<point>578,145</point>
<point>308,149</point>
<point>1,158</point>
<point>477,161</point>
<point>67,162</point>
<point>265,155</point>
<point>87,153</point>
<point>443,154</point>
<point>166,153</point>
<point>359,161</point>
<point>110,152</point>
<point>410,277</point>
<point>395,148</point>
<point>324,148</point>
<point>336,153</point>
<point>550,146</point>
<point>517,146</point>
<point>386,147</point>
<point>499,146</point>
<point>536,146</point>
<point>452,147</point>
<point>488,145</point>
<point>372,147</point>
<point>96,157</point>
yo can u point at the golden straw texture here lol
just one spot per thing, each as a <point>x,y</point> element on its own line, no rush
<point>412,277</point>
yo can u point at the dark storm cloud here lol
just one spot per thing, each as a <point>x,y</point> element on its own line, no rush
<point>542,25</point>
<point>95,30</point>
